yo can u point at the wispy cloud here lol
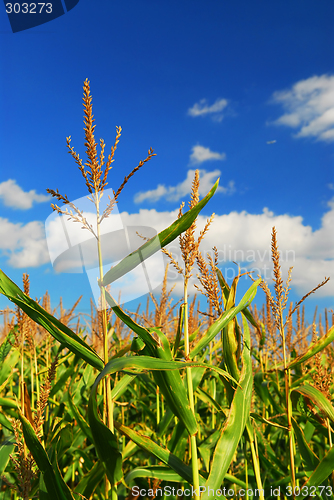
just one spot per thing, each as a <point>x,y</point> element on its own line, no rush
<point>13,196</point>
<point>309,107</point>
<point>200,154</point>
<point>202,108</point>
<point>175,193</point>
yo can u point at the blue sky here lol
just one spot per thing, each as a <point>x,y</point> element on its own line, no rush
<point>240,90</point>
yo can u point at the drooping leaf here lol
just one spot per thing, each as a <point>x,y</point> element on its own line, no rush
<point>170,383</point>
<point>159,365</point>
<point>58,330</point>
<point>318,398</point>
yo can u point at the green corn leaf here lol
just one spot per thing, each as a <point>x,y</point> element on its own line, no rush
<point>235,423</point>
<point>149,363</point>
<point>173,392</point>
<point>308,456</point>
<point>54,483</point>
<point>6,448</point>
<point>6,346</point>
<point>10,403</point>
<point>170,383</point>
<point>178,441</point>
<point>154,244</point>
<point>165,422</point>
<point>160,453</point>
<point>154,472</point>
<point>166,474</point>
<point>313,349</point>
<point>206,398</point>
<point>225,318</point>
<point>121,385</point>
<point>106,443</point>
<point>318,398</point>
<point>90,481</point>
<point>142,332</point>
<point>5,423</point>
<point>206,447</point>
<point>226,290</point>
<point>60,332</point>
<point>104,439</point>
<point>231,335</point>
<point>78,417</point>
<point>324,469</point>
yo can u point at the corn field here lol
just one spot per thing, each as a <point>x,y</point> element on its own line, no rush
<point>233,402</point>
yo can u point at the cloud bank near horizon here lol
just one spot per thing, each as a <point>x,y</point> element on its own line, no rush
<point>238,236</point>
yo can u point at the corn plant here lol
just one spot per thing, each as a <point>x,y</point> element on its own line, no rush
<point>235,401</point>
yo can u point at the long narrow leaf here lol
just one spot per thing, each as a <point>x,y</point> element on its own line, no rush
<point>90,481</point>
<point>324,469</point>
<point>160,453</point>
<point>106,445</point>
<point>148,363</point>
<point>235,423</point>
<point>55,485</point>
<point>314,349</point>
<point>308,456</point>
<point>154,472</point>
<point>154,244</point>
<point>318,398</point>
<point>58,330</point>
<point>225,318</point>
<point>6,346</point>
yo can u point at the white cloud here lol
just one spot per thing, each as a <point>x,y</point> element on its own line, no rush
<point>200,154</point>
<point>202,108</point>
<point>245,238</point>
<point>13,195</point>
<point>175,193</point>
<point>309,107</point>
<point>23,244</point>
<point>239,236</point>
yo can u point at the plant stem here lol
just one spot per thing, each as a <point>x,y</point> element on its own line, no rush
<point>108,407</point>
<point>288,406</point>
<point>193,444</point>
<point>107,396</point>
